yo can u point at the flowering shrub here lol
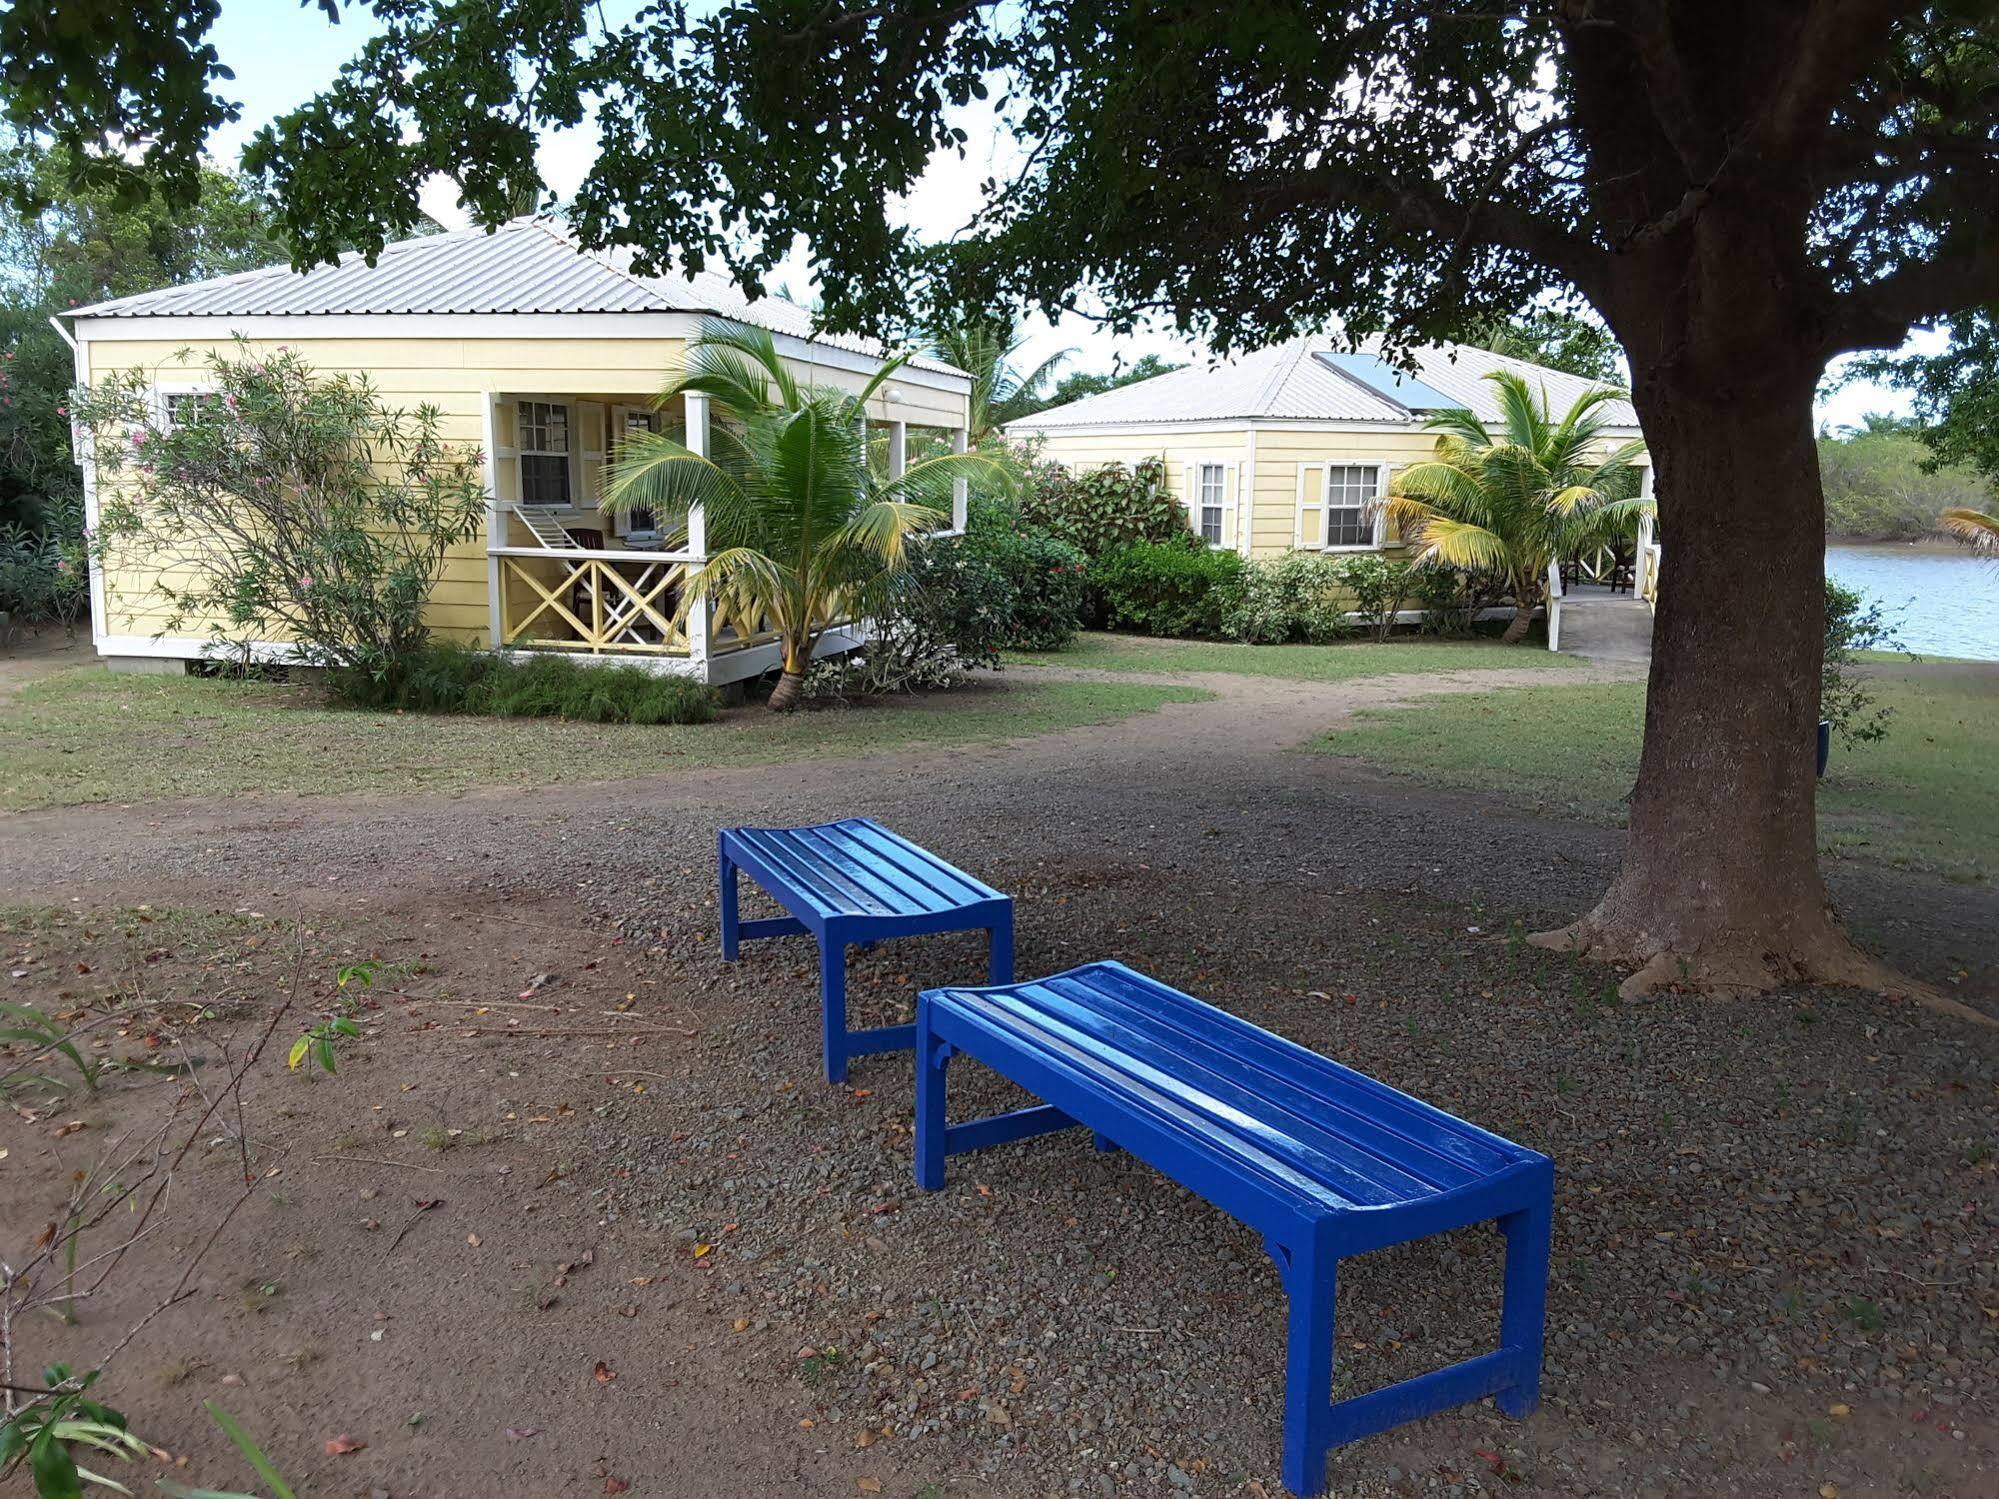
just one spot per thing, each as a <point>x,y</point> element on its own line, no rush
<point>290,506</point>
<point>1297,596</point>
<point>45,577</point>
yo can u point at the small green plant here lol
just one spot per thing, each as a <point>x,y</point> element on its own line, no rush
<point>27,1026</point>
<point>1294,597</point>
<point>1106,508</point>
<point>317,1044</point>
<point>1864,1314</point>
<point>46,1433</point>
<point>252,1454</point>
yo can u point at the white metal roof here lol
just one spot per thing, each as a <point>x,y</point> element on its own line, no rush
<point>527,266</point>
<point>1285,382</point>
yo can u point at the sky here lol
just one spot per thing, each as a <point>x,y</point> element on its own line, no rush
<point>283,53</point>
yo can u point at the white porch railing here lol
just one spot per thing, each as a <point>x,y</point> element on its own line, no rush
<point>1554,603</point>
<point>1650,557</point>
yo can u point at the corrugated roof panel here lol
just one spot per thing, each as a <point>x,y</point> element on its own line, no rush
<point>526,266</point>
<point>1285,382</point>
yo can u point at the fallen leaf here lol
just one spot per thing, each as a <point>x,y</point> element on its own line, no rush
<point>1840,1412</point>
<point>336,1446</point>
<point>628,1310</point>
<point>614,1485</point>
<point>473,1240</point>
<point>604,1373</point>
<point>868,1485</point>
<point>522,1433</point>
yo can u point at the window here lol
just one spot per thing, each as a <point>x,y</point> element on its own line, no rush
<point>1352,490</point>
<point>1211,495</point>
<point>178,408</point>
<point>544,445</point>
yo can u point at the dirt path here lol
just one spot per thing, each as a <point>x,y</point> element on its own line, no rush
<point>783,1316</point>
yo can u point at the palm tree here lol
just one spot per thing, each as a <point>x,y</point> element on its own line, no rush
<point>1506,504</point>
<point>801,530</point>
<point>984,348</point>
<point>1974,528</point>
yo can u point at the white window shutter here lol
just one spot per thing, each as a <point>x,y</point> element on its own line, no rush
<point>1309,531</point>
<point>1191,493</point>
<point>1381,476</point>
<point>1231,473</point>
<point>587,444</point>
<point>614,438</point>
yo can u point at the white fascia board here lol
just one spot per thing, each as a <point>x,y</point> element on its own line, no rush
<point>304,327</point>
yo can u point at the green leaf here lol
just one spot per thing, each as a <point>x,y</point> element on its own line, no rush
<point>297,1054</point>
<point>326,1053</point>
<point>54,1469</point>
<point>252,1453</point>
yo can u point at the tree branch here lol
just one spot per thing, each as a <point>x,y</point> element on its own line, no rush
<point>1835,43</point>
<point>1964,274</point>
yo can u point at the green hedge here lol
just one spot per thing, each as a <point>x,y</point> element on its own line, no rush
<point>1170,588</point>
<point>457,679</point>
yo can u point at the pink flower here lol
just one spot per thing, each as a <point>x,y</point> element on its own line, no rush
<point>139,438</point>
<point>62,411</point>
<point>63,567</point>
<point>305,580</point>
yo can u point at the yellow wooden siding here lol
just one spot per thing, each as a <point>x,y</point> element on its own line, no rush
<point>458,376</point>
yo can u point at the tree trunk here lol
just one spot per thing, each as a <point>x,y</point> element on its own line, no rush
<point>1720,887</point>
<point>789,692</point>
<point>1516,628</point>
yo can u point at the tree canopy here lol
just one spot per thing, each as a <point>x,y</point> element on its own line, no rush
<point>77,245</point>
<point>1560,340</point>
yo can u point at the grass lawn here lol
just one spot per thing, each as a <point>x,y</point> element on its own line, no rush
<point>1923,798</point>
<point>1311,663</point>
<point>91,736</point>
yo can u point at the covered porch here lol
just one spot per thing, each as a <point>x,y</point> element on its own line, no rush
<point>563,574</point>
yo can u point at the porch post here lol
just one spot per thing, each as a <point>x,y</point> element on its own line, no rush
<point>699,617</point>
<point>898,449</point>
<point>496,525</point>
<point>961,489</point>
<point>1644,560</point>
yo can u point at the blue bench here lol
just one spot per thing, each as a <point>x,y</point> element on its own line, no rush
<point>1321,1160</point>
<point>855,883</point>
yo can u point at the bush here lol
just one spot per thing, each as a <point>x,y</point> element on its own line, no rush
<point>303,508</point>
<point>1853,625</point>
<point>1048,578</point>
<point>458,679</point>
<point>1293,597</point>
<point>1177,588</point>
<point>1452,598</point>
<point>1106,508</point>
<point>44,579</point>
<point>1378,586</point>
<point>953,612</point>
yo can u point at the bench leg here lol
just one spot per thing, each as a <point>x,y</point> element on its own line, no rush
<point>999,952</point>
<point>933,1061</point>
<point>730,923</point>
<point>833,1007</point>
<point>1523,1313</point>
<point>1311,1284</point>
<point>1104,1143</point>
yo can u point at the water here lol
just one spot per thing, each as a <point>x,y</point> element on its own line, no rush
<point>1946,601</point>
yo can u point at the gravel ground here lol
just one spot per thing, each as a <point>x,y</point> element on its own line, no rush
<point>1774,1265</point>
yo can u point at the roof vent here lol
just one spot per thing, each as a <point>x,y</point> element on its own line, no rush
<point>1383,379</point>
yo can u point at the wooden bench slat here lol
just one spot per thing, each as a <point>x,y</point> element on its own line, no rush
<point>1312,1187</point>
<point>1315,1131</point>
<point>1409,1134</point>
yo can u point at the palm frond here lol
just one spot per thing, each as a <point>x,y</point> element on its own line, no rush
<point>1452,543</point>
<point>1975,528</point>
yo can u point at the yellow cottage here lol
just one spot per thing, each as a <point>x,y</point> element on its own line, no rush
<point>542,356</point>
<point>1292,446</point>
